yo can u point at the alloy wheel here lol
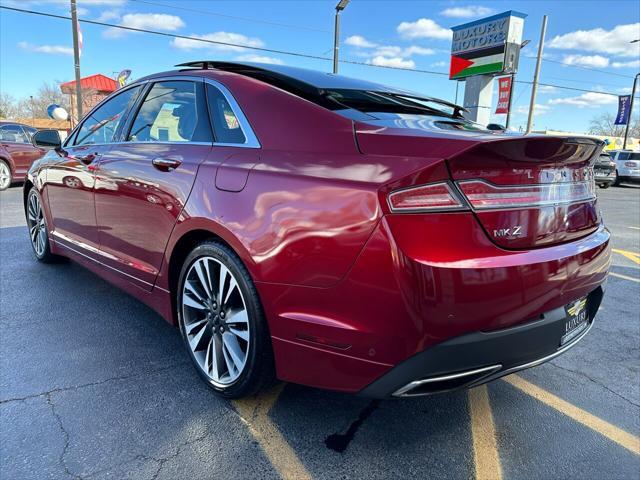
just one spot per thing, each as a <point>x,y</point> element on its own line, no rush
<point>37,225</point>
<point>5,176</point>
<point>215,321</point>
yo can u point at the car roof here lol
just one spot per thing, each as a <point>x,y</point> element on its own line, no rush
<point>9,122</point>
<point>304,76</point>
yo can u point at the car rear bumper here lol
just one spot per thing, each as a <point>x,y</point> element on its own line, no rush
<point>629,173</point>
<point>479,357</point>
<point>422,281</point>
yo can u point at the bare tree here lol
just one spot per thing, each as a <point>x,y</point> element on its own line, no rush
<point>603,124</point>
<point>9,106</point>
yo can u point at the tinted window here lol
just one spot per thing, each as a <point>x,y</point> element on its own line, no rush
<point>634,156</point>
<point>172,112</point>
<point>226,126</point>
<point>623,156</point>
<point>101,125</point>
<point>13,134</point>
<point>31,131</point>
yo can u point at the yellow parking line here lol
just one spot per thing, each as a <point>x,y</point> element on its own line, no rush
<point>625,439</point>
<point>254,412</point>
<point>634,257</point>
<point>626,277</point>
<point>485,448</point>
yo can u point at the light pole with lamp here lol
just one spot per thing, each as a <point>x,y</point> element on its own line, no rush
<point>336,33</point>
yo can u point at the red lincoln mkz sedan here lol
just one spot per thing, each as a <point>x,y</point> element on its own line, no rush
<point>327,231</point>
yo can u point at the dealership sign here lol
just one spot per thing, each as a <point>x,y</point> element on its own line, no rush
<point>504,93</point>
<point>489,46</point>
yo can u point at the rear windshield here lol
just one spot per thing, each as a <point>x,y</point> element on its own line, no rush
<point>629,156</point>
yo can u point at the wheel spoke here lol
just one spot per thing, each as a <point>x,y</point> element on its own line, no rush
<point>195,341</point>
<point>228,361</point>
<point>202,278</point>
<point>232,286</point>
<point>233,347</point>
<point>193,326</point>
<point>239,316</point>
<point>216,357</point>
<point>33,231</point>
<point>222,279</point>
<point>191,287</point>
<point>190,302</point>
<point>243,334</point>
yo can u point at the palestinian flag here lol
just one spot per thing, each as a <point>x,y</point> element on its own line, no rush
<point>477,62</point>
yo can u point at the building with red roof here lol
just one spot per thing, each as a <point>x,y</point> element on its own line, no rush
<point>94,88</point>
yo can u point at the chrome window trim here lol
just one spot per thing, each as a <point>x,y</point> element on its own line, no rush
<point>406,390</point>
<point>251,140</point>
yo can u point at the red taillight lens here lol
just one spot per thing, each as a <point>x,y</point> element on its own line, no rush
<point>483,195</point>
<point>437,196</point>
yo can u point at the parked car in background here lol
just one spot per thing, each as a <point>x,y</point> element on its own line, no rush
<point>604,170</point>
<point>326,230</point>
<point>17,153</point>
<point>627,166</point>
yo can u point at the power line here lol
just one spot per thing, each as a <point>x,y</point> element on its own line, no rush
<point>582,67</point>
<point>270,50</point>
<point>235,17</point>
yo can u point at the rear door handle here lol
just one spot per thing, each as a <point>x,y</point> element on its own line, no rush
<point>166,164</point>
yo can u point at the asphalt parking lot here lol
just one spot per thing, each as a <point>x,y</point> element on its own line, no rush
<point>95,385</point>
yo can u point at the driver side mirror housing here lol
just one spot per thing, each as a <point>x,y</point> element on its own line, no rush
<point>496,127</point>
<point>47,139</point>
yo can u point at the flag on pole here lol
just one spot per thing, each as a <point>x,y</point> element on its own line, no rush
<point>622,118</point>
<point>504,92</point>
<point>79,39</point>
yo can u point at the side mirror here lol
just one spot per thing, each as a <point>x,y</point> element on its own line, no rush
<point>496,127</point>
<point>47,139</point>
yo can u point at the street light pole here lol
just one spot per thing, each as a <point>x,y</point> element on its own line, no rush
<point>536,75</point>
<point>76,58</point>
<point>633,94</point>
<point>336,33</point>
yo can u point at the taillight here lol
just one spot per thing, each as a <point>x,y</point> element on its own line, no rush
<point>425,198</point>
<point>483,195</point>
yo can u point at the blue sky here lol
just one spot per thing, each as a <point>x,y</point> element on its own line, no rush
<point>581,36</point>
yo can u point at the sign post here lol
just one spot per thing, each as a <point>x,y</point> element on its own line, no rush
<point>481,50</point>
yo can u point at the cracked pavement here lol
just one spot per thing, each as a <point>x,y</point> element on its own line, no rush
<point>94,385</point>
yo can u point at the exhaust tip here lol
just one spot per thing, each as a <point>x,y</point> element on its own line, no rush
<point>444,383</point>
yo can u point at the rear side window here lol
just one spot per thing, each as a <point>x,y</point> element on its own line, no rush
<point>634,156</point>
<point>226,126</point>
<point>13,134</point>
<point>102,124</point>
<point>173,111</point>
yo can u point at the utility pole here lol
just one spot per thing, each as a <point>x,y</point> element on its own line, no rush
<point>336,33</point>
<point>633,94</point>
<point>534,87</point>
<point>76,58</point>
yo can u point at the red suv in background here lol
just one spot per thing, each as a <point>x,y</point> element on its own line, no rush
<point>17,153</point>
<point>327,231</point>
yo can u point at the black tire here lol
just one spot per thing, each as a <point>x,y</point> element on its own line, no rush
<point>42,251</point>
<point>5,169</point>
<point>617,181</point>
<point>258,370</point>
<point>605,185</point>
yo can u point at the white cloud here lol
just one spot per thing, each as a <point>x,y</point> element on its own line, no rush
<point>260,59</point>
<point>359,41</point>
<point>441,63</point>
<point>415,50</point>
<point>586,60</point>
<point>541,109</point>
<point>82,12</point>
<point>589,99</point>
<point>156,21</point>
<point>50,49</point>
<point>109,15</point>
<point>467,12</point>
<point>423,28</point>
<point>614,41</point>
<point>396,62</point>
<point>225,37</point>
<point>624,90</point>
<point>630,64</point>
